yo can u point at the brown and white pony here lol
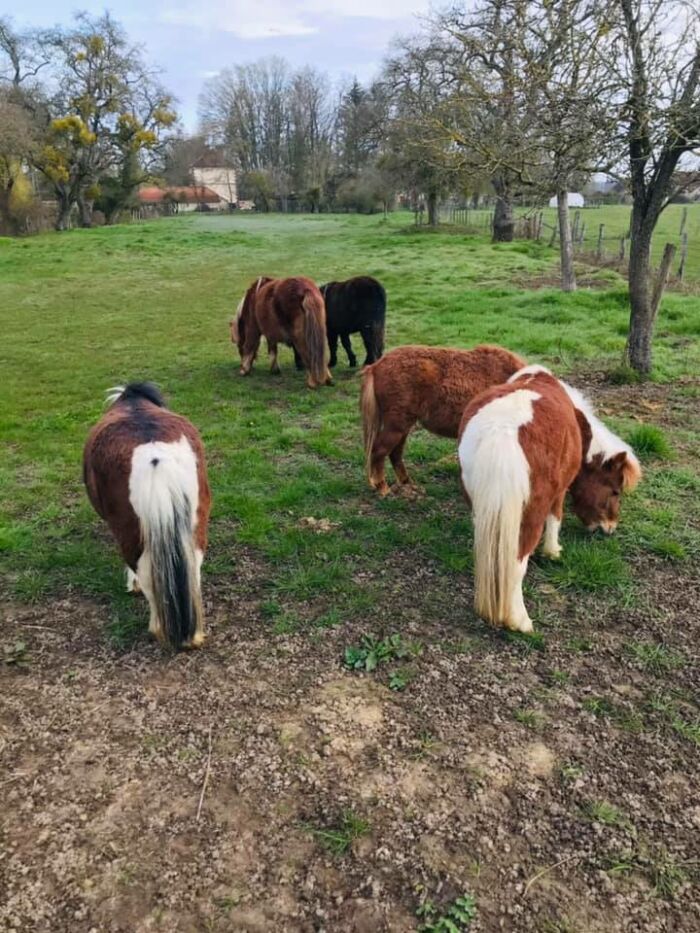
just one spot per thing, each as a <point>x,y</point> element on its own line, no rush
<point>146,475</point>
<point>428,385</point>
<point>522,446</point>
<point>289,311</point>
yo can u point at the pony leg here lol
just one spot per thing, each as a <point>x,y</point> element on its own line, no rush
<point>347,346</point>
<point>132,581</point>
<point>250,348</point>
<point>274,365</point>
<point>384,444</point>
<point>367,334</point>
<point>396,457</point>
<point>298,362</point>
<point>333,347</point>
<point>198,637</point>
<point>518,619</point>
<point>143,572</point>
<point>550,546</point>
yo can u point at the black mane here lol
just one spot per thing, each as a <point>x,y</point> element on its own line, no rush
<point>143,390</point>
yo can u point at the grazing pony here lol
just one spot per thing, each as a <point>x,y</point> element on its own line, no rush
<point>145,474</point>
<point>429,385</point>
<point>358,304</point>
<point>521,447</point>
<point>289,311</point>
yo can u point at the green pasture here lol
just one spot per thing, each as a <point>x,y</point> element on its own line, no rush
<point>89,309</point>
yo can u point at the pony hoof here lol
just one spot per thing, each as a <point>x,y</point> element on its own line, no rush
<point>552,554</point>
<point>195,642</point>
<point>243,372</point>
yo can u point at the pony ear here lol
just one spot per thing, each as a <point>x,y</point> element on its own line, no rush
<point>586,433</point>
<point>631,472</point>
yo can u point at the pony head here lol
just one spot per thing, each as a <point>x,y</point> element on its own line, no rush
<point>608,468</point>
<point>597,490</point>
<point>245,306</point>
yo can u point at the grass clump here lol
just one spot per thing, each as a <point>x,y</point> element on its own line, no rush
<point>338,839</point>
<point>654,657</point>
<point>650,442</point>
<point>590,564</point>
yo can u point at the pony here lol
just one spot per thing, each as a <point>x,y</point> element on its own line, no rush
<point>289,311</point>
<point>522,446</point>
<point>145,473</point>
<point>428,385</point>
<point>356,305</point>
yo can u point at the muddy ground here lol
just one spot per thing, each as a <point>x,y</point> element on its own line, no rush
<point>555,782</point>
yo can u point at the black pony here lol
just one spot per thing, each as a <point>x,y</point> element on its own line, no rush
<point>356,305</point>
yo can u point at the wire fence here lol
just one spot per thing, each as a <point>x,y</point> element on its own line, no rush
<point>603,242</point>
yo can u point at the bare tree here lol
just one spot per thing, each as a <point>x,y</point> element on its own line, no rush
<point>655,58</point>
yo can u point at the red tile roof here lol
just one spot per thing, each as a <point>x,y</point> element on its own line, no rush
<point>193,194</point>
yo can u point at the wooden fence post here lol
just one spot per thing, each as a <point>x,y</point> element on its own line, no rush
<point>553,238</point>
<point>574,227</point>
<point>660,283</point>
<point>599,247</point>
<point>582,235</point>
<point>621,256</point>
<point>684,255</point>
<point>684,218</point>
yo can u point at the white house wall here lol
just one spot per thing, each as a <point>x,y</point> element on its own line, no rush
<point>221,180</point>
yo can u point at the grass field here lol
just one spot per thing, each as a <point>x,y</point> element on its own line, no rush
<point>335,798</point>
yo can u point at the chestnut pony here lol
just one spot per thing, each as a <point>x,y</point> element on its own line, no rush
<point>522,446</point>
<point>145,474</point>
<point>428,385</point>
<point>288,311</point>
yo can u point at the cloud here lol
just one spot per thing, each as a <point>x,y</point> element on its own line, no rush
<point>264,19</point>
<point>245,19</point>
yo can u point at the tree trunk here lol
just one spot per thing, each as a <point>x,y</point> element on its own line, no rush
<point>64,208</point>
<point>638,350</point>
<point>432,209</point>
<point>503,223</point>
<point>566,248</point>
<point>84,211</point>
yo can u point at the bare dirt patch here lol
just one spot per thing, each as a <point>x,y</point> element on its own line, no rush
<point>489,773</point>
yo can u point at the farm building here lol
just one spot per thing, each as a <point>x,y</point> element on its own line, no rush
<point>575,200</point>
<point>181,199</point>
<point>212,171</point>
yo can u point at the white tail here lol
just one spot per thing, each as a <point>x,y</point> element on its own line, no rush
<point>496,476</point>
<point>164,493</point>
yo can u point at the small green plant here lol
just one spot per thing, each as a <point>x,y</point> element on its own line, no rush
<point>15,654</point>
<point>599,706</point>
<point>654,657</point>
<point>338,839</point>
<point>456,918</point>
<point>648,441</point>
<point>667,876</point>
<point>532,641</point>
<point>571,773</point>
<point>600,811</point>
<point>401,678</point>
<point>372,651</point>
<point>529,717</point>
<point>559,678</point>
<point>623,375</point>
<point>580,645</point>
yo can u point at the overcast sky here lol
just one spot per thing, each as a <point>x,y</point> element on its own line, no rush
<point>190,40</point>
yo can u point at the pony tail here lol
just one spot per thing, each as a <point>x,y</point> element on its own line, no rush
<point>315,336</point>
<point>163,490</point>
<point>497,481</point>
<point>371,416</point>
